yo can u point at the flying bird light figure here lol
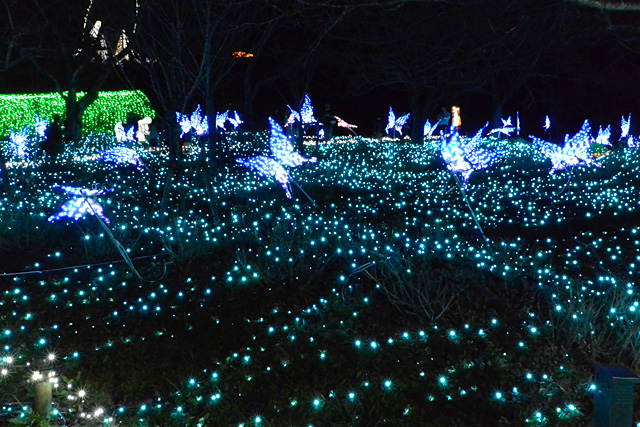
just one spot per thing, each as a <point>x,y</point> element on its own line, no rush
<point>199,123</point>
<point>465,157</point>
<point>184,122</point>
<point>123,136</point>
<point>343,124</point>
<point>428,129</point>
<point>81,205</point>
<point>394,123</point>
<point>283,155</point>
<point>123,156</point>
<point>18,143</point>
<point>40,126</point>
<point>574,151</point>
<point>506,129</point>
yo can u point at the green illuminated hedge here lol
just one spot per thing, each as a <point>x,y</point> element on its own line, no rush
<point>18,111</point>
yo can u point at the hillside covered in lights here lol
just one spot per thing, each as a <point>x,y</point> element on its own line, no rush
<point>386,295</point>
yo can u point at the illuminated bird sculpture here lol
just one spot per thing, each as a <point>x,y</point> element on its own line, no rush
<point>283,155</point>
<point>604,136</point>
<point>343,124</point>
<point>235,120</point>
<point>305,116</point>
<point>466,156</point>
<point>123,156</point>
<point>81,205</point>
<point>394,123</point>
<point>197,122</point>
<point>574,151</point>
<point>40,126</point>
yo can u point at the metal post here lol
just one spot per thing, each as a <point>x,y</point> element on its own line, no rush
<point>613,402</point>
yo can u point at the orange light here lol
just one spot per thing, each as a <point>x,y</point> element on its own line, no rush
<point>456,120</point>
<point>241,54</point>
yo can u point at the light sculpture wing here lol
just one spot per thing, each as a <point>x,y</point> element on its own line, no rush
<point>122,156</point>
<point>401,121</point>
<point>221,118</point>
<point>574,151</point>
<point>235,120</point>
<point>306,112</point>
<point>123,136</point>
<point>624,127</point>
<point>391,121</point>
<point>81,205</point>
<point>282,148</point>
<point>269,168</point>
<point>428,129</point>
<point>343,124</point>
<point>18,143</point>
<point>199,124</point>
<point>465,157</point>
<point>40,126</point>
<point>604,136</point>
<point>547,123</point>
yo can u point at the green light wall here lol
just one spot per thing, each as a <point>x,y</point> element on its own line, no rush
<point>18,111</point>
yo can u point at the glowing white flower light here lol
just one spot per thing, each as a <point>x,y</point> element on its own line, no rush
<point>40,126</point>
<point>268,167</point>
<point>428,129</point>
<point>465,157</point>
<point>122,156</point>
<point>81,205</point>
<point>547,123</point>
<point>624,126</point>
<point>123,136</point>
<point>396,123</point>
<point>604,136</point>
<point>574,151</point>
<point>18,143</point>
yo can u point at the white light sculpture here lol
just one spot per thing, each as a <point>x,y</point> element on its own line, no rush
<point>465,157</point>
<point>604,136</point>
<point>81,205</point>
<point>18,143</point>
<point>396,123</point>
<point>123,136</point>
<point>428,129</point>
<point>574,151</point>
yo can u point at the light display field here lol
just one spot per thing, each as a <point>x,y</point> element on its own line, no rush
<point>381,302</point>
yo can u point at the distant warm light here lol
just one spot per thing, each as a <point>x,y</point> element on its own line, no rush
<point>456,120</point>
<point>241,54</point>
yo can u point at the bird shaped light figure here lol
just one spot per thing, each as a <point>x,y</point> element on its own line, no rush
<point>507,128</point>
<point>428,129</point>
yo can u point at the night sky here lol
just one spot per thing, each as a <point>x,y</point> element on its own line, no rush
<point>536,57</point>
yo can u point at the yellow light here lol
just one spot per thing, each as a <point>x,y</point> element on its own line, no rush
<point>241,54</point>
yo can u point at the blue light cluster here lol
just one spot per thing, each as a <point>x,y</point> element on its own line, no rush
<point>396,123</point>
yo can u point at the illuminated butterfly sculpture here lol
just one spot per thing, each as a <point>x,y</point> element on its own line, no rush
<point>221,119</point>
<point>123,136</point>
<point>81,205</point>
<point>506,129</point>
<point>466,156</point>
<point>396,123</point>
<point>604,136</point>
<point>40,126</point>
<point>305,115</point>
<point>123,156</point>
<point>18,143</point>
<point>428,129</point>
<point>283,155</point>
<point>624,127</point>
<point>574,151</point>
<point>197,122</point>
<point>235,120</point>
